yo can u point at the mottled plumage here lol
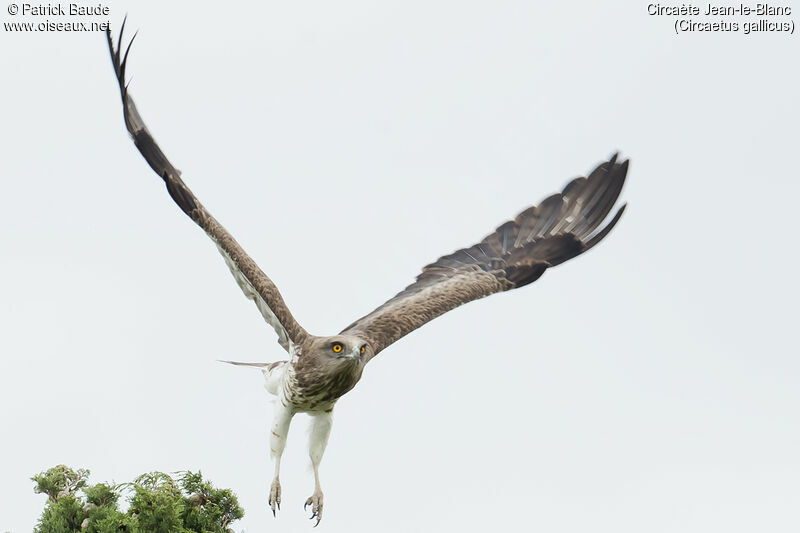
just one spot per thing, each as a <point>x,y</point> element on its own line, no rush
<point>321,369</point>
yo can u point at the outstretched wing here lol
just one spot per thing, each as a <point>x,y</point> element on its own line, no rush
<point>254,283</point>
<point>516,254</point>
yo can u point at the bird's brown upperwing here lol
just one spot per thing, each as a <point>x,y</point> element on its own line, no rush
<point>253,282</point>
<point>561,227</point>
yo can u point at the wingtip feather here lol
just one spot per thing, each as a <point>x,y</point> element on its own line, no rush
<point>600,235</point>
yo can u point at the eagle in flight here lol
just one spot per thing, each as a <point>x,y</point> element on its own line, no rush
<point>320,369</point>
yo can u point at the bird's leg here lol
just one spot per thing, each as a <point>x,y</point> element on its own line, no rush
<point>277,442</point>
<point>320,431</point>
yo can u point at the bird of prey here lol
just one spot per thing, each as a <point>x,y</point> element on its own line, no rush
<point>320,369</point>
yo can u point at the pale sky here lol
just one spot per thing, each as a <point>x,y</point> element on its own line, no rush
<point>649,385</point>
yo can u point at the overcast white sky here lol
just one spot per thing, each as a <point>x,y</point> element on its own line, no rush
<point>650,385</point>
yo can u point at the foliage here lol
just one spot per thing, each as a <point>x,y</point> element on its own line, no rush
<point>157,503</point>
<point>60,481</point>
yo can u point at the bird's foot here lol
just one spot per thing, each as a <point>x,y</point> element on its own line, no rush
<point>275,496</point>
<point>315,501</point>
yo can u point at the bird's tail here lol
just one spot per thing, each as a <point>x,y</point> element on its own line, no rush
<point>262,366</point>
<point>273,373</point>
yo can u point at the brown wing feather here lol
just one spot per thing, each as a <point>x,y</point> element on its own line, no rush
<point>253,282</point>
<point>518,252</point>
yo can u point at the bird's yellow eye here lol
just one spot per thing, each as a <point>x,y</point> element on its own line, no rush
<point>363,349</point>
<point>337,347</point>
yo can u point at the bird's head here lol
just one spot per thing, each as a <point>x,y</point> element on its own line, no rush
<point>331,366</point>
<point>342,347</point>
<point>345,347</point>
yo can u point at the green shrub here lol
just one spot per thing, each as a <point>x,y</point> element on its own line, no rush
<point>157,503</point>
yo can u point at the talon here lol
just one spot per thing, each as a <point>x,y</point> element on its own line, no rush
<point>275,497</point>
<point>315,502</point>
